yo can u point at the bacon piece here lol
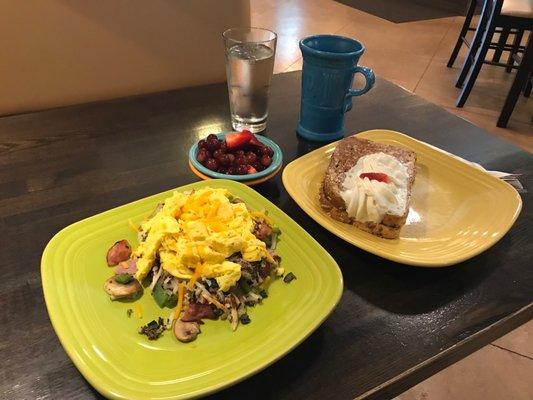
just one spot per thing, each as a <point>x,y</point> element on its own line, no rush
<point>197,311</point>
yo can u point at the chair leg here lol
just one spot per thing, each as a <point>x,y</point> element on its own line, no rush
<point>504,35</point>
<point>516,43</point>
<point>527,89</point>
<point>476,41</point>
<point>520,80</point>
<point>464,30</point>
<point>478,62</point>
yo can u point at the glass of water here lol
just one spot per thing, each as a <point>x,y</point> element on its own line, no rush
<point>249,65</point>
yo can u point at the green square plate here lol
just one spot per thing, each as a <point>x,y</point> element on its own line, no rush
<point>104,344</point>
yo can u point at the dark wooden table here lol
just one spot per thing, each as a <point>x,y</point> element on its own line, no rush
<point>394,326</point>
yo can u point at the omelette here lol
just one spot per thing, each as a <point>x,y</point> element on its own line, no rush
<point>200,229</point>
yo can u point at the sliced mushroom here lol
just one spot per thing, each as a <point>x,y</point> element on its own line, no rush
<point>186,331</point>
<point>117,290</point>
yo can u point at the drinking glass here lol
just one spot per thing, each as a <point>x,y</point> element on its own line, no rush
<point>249,65</point>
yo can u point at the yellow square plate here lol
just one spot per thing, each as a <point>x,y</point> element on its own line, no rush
<point>120,363</point>
<point>457,211</point>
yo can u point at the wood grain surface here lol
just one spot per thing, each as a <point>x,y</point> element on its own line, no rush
<point>394,326</point>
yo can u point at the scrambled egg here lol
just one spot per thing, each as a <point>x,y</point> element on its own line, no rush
<point>201,230</point>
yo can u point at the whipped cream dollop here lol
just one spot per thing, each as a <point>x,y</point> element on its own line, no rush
<point>368,199</point>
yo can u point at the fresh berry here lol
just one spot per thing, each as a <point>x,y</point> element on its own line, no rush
<point>251,170</point>
<point>202,155</point>
<point>267,151</point>
<point>242,169</point>
<point>222,170</point>
<point>266,160</point>
<point>217,153</point>
<point>251,157</point>
<point>375,176</point>
<point>257,165</point>
<point>231,158</point>
<point>238,140</point>
<point>224,160</point>
<point>232,170</point>
<point>223,145</point>
<point>240,160</point>
<point>255,142</point>
<point>239,153</point>
<point>213,144</point>
<point>212,136</point>
<point>202,144</point>
<point>212,164</point>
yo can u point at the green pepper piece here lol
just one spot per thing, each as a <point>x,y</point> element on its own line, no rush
<point>161,296</point>
<point>172,301</point>
<point>245,286</point>
<point>123,278</point>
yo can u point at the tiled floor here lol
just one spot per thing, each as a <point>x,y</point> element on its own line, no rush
<point>414,55</point>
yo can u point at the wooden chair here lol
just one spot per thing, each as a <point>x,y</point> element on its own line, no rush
<point>509,15</point>
<point>499,47</point>
<point>521,80</point>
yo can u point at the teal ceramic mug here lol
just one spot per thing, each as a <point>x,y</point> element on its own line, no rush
<point>329,65</point>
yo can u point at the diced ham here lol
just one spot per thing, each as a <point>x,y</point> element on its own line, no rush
<point>120,251</point>
<point>197,311</point>
<point>262,230</point>
<point>126,267</point>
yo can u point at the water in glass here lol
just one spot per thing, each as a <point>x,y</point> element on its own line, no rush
<point>249,70</point>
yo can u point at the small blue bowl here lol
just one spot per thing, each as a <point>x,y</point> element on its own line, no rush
<point>277,159</point>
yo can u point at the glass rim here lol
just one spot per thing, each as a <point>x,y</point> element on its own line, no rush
<point>249,28</point>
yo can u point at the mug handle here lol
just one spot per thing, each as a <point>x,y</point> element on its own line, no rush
<point>370,79</point>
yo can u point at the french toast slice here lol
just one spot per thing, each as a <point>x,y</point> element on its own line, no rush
<point>345,156</point>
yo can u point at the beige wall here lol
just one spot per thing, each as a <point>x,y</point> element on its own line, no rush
<point>60,52</point>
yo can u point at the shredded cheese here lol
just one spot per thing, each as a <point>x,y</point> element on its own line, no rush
<point>138,310</point>
<point>179,306</point>
<point>197,274</point>
<point>258,215</point>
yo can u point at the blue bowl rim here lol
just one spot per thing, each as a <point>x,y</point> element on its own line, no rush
<point>277,159</point>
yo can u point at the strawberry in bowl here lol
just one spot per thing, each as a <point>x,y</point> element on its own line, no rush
<point>240,156</point>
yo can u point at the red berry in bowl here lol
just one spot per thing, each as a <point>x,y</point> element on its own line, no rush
<point>258,166</point>
<point>212,164</point>
<point>202,144</point>
<point>255,142</point>
<point>239,153</point>
<point>224,160</point>
<point>231,158</point>
<point>251,170</point>
<point>212,136</point>
<point>267,151</point>
<point>242,169</point>
<point>251,157</point>
<point>202,156</point>
<point>240,160</point>
<point>266,160</point>
<point>213,144</point>
<point>217,153</point>
<point>239,139</point>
